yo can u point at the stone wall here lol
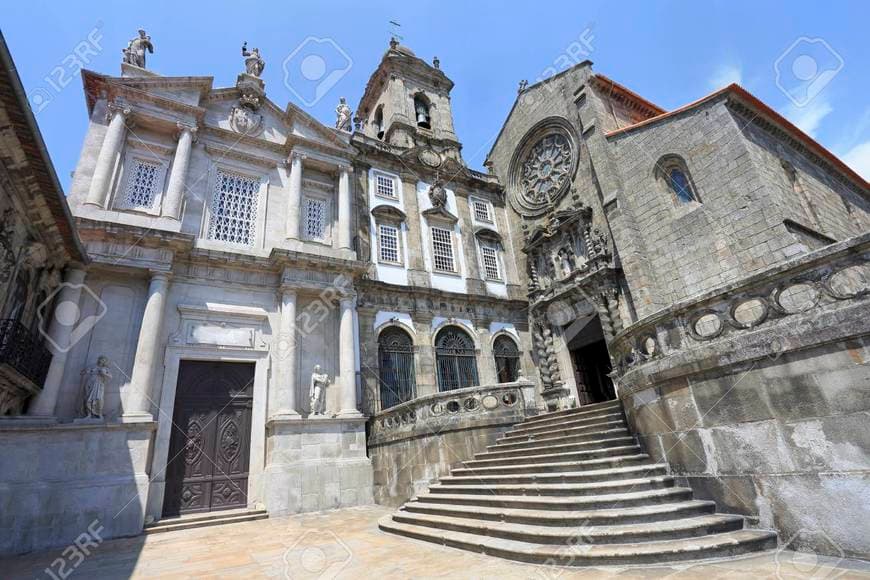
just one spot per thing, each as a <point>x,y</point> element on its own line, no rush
<point>316,464</point>
<point>414,444</point>
<point>765,411</point>
<point>56,480</point>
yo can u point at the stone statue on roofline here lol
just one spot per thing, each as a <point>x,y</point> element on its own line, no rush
<point>134,54</point>
<point>254,63</point>
<point>343,115</point>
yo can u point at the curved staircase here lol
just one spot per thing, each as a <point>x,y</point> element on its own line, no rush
<point>573,488</point>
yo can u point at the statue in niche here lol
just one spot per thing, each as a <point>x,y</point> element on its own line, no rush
<point>94,380</point>
<point>564,258</point>
<point>342,115</point>
<point>135,52</point>
<point>317,391</point>
<point>254,63</point>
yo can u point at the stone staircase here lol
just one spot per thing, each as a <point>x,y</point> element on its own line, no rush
<point>217,518</point>
<point>573,488</point>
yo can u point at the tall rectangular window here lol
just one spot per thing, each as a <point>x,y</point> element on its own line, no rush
<point>389,243</point>
<point>481,211</point>
<point>490,262</point>
<point>385,186</point>
<point>142,181</point>
<point>442,249</point>
<point>234,209</point>
<point>315,218</point>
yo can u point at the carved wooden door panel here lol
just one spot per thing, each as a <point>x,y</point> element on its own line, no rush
<point>209,448</point>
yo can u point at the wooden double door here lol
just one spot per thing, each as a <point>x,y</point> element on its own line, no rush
<point>209,449</point>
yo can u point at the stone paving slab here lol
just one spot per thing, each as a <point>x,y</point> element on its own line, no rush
<point>346,544</point>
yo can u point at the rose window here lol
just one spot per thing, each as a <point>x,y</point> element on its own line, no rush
<point>546,169</point>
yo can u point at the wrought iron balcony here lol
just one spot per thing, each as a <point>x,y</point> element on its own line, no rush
<point>23,353</point>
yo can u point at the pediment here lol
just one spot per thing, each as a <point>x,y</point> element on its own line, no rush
<point>440,213</point>
<point>185,91</point>
<point>388,212</point>
<point>487,234</point>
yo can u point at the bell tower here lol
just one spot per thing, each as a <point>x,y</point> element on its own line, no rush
<point>407,104</point>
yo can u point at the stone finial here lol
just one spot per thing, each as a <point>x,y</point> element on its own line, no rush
<point>342,115</point>
<point>254,63</point>
<point>436,62</point>
<point>134,54</point>
<point>524,84</point>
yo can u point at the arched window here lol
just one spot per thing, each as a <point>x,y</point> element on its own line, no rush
<point>396,367</point>
<point>673,171</point>
<point>507,359</point>
<point>421,111</point>
<point>455,359</point>
<point>378,121</point>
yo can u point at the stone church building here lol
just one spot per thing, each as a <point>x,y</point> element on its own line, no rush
<point>248,310</point>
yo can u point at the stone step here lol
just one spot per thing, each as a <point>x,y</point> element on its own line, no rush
<point>555,457</point>
<point>601,517</point>
<point>578,413</point>
<point>559,440</point>
<point>218,518</point>
<point>596,475</point>
<point>592,444</point>
<point>574,503</point>
<point>563,466</point>
<point>567,535</point>
<point>510,437</point>
<point>709,546</point>
<point>558,489</point>
<point>563,424</point>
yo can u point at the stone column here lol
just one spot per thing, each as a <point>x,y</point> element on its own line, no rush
<point>63,323</point>
<point>346,360</point>
<point>294,202</point>
<point>344,204</point>
<point>138,404</point>
<point>178,175</point>
<point>112,143</point>
<point>283,400</point>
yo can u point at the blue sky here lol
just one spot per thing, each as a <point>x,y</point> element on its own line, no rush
<point>669,52</point>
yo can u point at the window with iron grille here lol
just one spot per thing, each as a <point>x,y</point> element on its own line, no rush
<point>481,211</point>
<point>507,359</point>
<point>396,367</point>
<point>234,209</point>
<point>490,262</point>
<point>143,180</point>
<point>389,243</point>
<point>455,359</point>
<point>315,218</point>
<point>442,249</point>
<point>385,186</point>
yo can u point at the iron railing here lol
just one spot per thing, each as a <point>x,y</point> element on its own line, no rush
<point>21,349</point>
<point>457,368</point>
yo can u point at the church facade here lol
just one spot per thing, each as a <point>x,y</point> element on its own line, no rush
<point>286,316</point>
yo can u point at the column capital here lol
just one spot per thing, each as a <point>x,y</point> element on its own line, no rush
<point>182,128</point>
<point>345,168</point>
<point>296,156</point>
<point>117,107</point>
<point>159,275</point>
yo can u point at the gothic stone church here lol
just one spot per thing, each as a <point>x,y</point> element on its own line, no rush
<point>655,316</point>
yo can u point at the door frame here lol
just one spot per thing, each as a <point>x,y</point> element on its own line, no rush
<point>257,464</point>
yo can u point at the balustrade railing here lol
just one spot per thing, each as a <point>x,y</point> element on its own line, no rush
<point>22,350</point>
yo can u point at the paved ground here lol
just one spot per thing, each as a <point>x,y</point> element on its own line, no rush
<point>347,544</point>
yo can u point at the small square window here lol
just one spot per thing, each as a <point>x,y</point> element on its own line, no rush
<point>442,249</point>
<point>385,186</point>
<point>389,243</point>
<point>490,262</point>
<point>315,218</point>
<point>481,211</point>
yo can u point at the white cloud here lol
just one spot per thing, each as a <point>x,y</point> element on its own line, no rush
<point>809,117</point>
<point>725,75</point>
<point>858,158</point>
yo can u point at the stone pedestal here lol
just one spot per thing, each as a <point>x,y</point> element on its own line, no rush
<point>316,464</point>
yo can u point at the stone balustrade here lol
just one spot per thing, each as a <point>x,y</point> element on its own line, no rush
<point>813,299</point>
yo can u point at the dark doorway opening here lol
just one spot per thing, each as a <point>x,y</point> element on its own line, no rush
<point>210,445</point>
<point>591,361</point>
